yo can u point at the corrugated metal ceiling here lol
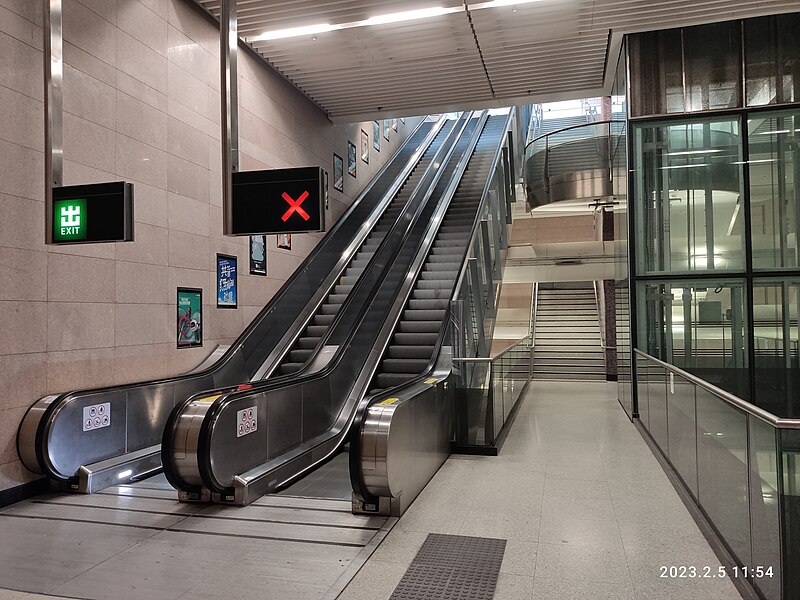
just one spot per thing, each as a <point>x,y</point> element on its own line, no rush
<point>473,58</point>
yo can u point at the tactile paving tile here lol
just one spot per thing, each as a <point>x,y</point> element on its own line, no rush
<point>453,567</point>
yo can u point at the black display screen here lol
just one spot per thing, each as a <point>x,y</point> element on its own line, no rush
<point>278,201</point>
<point>101,212</point>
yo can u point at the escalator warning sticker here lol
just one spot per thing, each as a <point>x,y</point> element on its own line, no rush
<point>96,416</point>
<point>432,380</point>
<point>246,421</point>
<point>388,402</point>
<point>208,399</point>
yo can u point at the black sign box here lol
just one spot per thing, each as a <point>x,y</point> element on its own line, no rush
<point>92,213</point>
<point>278,201</point>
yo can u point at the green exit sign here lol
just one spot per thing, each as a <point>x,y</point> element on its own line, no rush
<point>92,213</point>
<point>71,222</point>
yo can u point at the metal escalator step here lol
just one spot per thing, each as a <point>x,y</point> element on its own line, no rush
<point>329,308</point>
<point>434,294</point>
<point>320,319</point>
<point>336,298</point>
<point>419,326</point>
<point>348,280</point>
<point>342,290</point>
<point>396,351</point>
<point>428,304</point>
<point>450,243</point>
<point>437,275</point>
<point>306,342</point>
<point>388,380</point>
<point>316,330</point>
<point>451,266</point>
<point>411,314</point>
<point>415,339</point>
<point>300,356</point>
<point>403,365</point>
<point>433,284</point>
<point>288,368</point>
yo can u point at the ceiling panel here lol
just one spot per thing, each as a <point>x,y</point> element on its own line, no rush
<point>474,57</point>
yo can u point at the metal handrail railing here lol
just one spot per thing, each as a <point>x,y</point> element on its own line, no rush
<point>534,310</point>
<point>751,409</point>
<point>563,129</point>
<point>503,352</point>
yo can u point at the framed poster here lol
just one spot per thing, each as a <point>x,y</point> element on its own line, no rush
<point>190,317</point>
<point>376,135</point>
<point>285,241</point>
<point>364,146</point>
<point>338,173</point>
<point>351,159</point>
<point>394,124</point>
<point>226,281</point>
<point>386,126</point>
<point>258,255</point>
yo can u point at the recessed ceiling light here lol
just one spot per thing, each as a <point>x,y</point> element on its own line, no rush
<point>410,15</point>
<point>279,34</point>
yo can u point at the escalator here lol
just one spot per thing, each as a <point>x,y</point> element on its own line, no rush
<point>396,338</point>
<point>415,337</point>
<point>304,348</point>
<point>53,438</point>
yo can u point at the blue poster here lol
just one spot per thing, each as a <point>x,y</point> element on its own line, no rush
<point>226,281</point>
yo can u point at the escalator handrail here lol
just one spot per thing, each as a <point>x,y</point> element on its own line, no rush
<point>60,401</point>
<point>356,476</point>
<point>230,395</point>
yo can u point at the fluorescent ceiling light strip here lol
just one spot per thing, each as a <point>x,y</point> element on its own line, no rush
<point>280,34</point>
<point>498,4</point>
<point>410,15</point>
<point>399,17</point>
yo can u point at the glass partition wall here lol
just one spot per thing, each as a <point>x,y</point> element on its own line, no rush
<point>714,214</point>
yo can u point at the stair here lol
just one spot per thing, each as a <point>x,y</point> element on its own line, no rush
<point>623,334</point>
<point>567,336</point>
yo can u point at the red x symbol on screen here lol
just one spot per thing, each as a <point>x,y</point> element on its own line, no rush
<point>294,206</point>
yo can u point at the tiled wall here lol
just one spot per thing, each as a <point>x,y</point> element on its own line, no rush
<point>141,101</point>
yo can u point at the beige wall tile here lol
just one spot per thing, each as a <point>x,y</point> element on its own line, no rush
<point>79,326</point>
<point>89,31</point>
<point>23,223</point>
<point>188,179</point>
<point>141,62</point>
<point>137,20</point>
<point>188,250</point>
<point>80,370</point>
<point>22,118</point>
<point>89,144</point>
<point>188,143</point>
<point>21,68</point>
<point>188,90</point>
<point>160,7</point>
<point>141,363</point>
<point>24,326</point>
<point>89,98</point>
<point>141,121</point>
<point>24,274</point>
<point>11,417</point>
<point>18,164</point>
<point>138,324</point>
<point>23,378</point>
<point>80,279</point>
<point>195,25</point>
<point>222,322</point>
<point>104,8</point>
<point>149,95</point>
<point>191,57</point>
<point>32,11</point>
<point>139,161</point>
<point>138,283</point>
<point>187,214</point>
<point>150,204</point>
<point>150,245</point>
<point>20,28</point>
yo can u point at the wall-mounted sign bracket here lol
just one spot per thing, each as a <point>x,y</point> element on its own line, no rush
<point>53,108</point>
<point>229,47</point>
